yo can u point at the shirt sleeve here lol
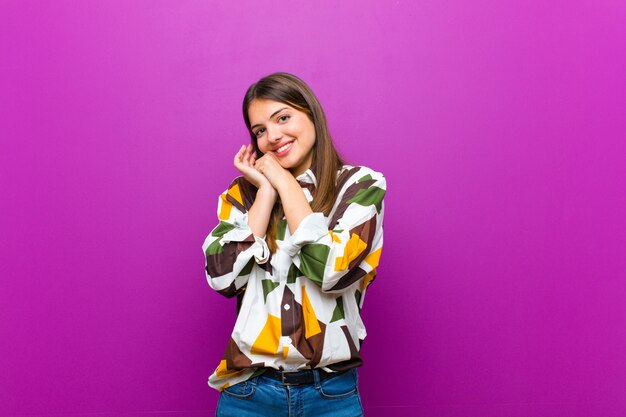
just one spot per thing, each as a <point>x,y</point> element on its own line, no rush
<point>338,251</point>
<point>231,249</point>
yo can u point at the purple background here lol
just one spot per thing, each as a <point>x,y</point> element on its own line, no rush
<point>500,128</point>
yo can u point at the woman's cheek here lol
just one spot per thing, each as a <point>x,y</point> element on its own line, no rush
<point>262,144</point>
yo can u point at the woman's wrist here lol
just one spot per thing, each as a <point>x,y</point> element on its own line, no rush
<point>295,204</point>
<point>267,192</point>
<point>288,185</point>
<point>261,210</point>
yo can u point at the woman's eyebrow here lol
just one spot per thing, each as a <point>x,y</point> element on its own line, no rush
<point>273,114</point>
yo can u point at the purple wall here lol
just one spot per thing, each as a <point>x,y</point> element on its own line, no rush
<point>500,127</point>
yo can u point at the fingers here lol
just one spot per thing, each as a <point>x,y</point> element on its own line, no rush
<point>245,156</point>
<point>251,155</point>
<point>259,164</point>
<point>239,155</point>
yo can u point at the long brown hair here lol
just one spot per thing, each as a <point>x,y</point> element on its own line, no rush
<point>291,90</point>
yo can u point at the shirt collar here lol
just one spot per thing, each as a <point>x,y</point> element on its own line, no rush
<point>308,176</point>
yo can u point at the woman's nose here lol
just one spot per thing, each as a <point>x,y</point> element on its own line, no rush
<point>273,133</point>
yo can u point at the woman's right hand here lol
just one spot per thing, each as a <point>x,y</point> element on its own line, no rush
<point>261,210</point>
<point>244,162</point>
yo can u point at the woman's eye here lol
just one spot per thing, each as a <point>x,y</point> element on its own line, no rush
<point>283,118</point>
<point>259,132</point>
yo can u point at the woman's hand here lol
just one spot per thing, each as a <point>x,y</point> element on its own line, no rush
<point>271,169</point>
<point>244,162</point>
<point>294,202</point>
<point>261,210</point>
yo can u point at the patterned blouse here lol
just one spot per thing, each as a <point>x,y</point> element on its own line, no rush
<point>298,308</point>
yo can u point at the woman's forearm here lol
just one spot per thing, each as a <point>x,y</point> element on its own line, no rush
<point>295,204</point>
<point>261,210</point>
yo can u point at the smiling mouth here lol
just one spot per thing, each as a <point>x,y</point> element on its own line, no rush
<point>283,149</point>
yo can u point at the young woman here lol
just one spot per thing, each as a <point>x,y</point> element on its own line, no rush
<point>298,242</point>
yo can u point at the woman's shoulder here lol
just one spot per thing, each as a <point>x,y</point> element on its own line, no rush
<point>359,173</point>
<point>242,191</point>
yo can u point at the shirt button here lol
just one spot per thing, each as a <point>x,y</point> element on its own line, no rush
<point>287,307</point>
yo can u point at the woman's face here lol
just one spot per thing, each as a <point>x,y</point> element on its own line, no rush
<point>284,131</point>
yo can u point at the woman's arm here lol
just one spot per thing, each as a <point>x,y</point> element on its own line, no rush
<point>259,213</point>
<point>295,204</point>
<point>339,251</point>
<point>238,241</point>
<point>232,249</point>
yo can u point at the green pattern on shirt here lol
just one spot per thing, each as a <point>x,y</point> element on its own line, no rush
<point>268,286</point>
<point>214,248</point>
<point>313,259</point>
<point>222,229</point>
<point>369,196</point>
<point>247,269</point>
<point>281,228</point>
<point>293,273</point>
<point>338,312</point>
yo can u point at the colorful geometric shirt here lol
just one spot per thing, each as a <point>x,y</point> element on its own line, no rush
<point>298,308</point>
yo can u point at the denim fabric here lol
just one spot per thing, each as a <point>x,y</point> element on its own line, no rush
<point>337,396</point>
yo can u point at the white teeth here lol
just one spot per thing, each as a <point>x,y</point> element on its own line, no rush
<point>282,148</point>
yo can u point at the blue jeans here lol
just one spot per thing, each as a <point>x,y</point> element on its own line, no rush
<point>337,396</point>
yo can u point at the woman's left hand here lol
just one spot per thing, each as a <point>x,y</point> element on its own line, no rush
<point>269,166</point>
